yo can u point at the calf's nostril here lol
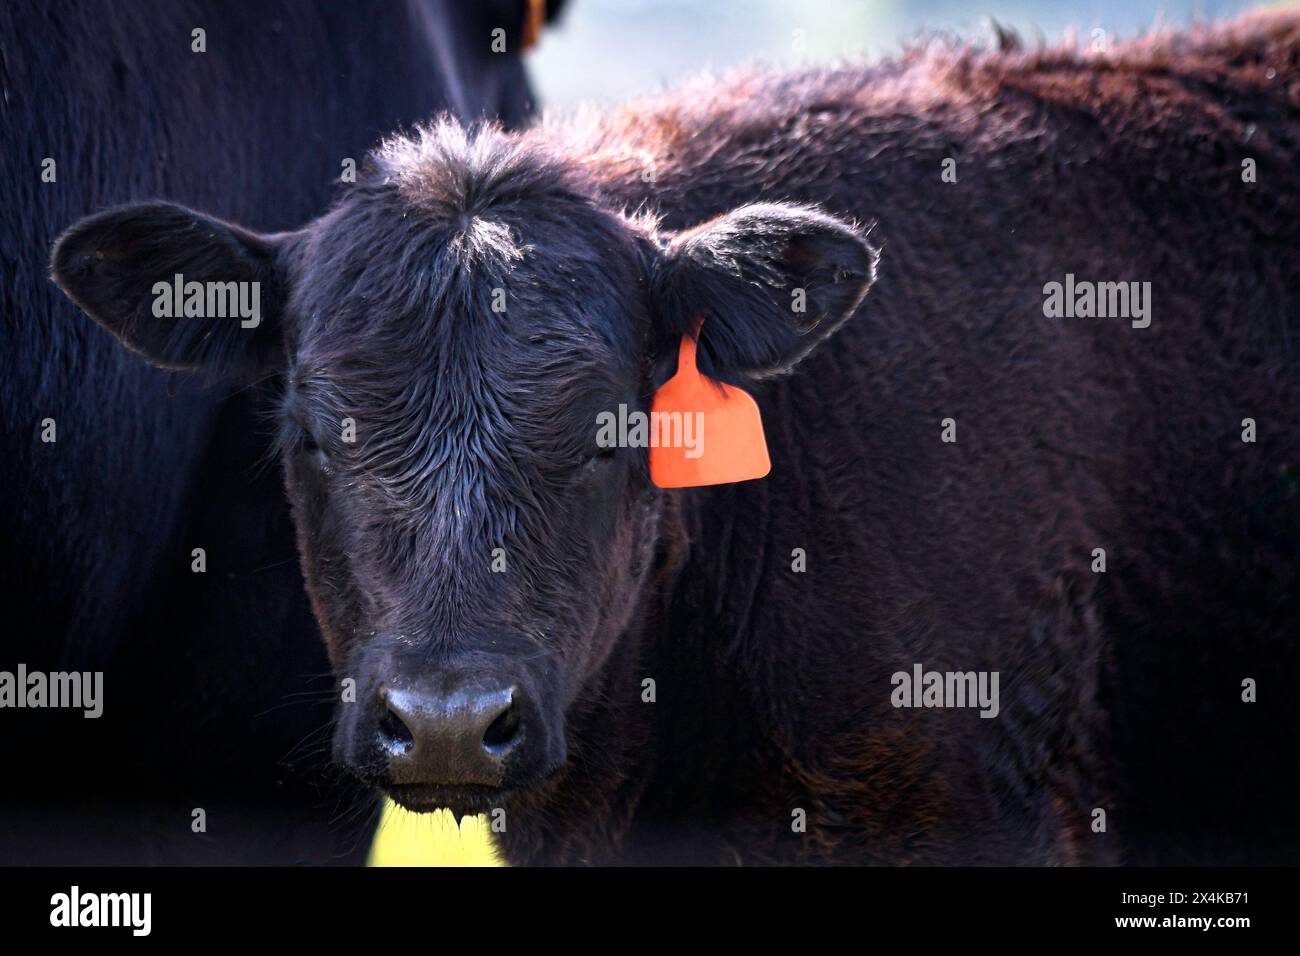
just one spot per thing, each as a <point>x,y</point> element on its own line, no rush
<point>503,731</point>
<point>395,736</point>
<point>433,734</point>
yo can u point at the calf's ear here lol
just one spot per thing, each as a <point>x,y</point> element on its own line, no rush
<point>121,266</point>
<point>769,282</point>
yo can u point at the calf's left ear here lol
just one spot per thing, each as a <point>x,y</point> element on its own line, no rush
<point>769,282</point>
<point>121,267</point>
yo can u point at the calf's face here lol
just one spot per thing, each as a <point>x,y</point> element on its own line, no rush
<point>447,338</point>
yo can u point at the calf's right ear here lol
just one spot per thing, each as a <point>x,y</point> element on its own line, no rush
<point>134,269</point>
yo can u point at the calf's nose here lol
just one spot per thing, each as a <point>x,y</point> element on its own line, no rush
<point>457,736</point>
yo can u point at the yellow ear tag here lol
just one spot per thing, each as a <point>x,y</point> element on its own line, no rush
<point>717,437</point>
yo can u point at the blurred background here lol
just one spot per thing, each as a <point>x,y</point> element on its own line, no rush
<point>604,51</point>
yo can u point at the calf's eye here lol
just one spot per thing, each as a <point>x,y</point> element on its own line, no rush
<point>310,447</point>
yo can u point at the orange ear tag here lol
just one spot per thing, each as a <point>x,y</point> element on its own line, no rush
<point>707,433</point>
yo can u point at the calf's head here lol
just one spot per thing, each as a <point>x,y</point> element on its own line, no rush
<point>446,338</point>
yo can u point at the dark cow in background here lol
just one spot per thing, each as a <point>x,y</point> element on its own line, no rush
<point>523,686</point>
<point>208,680</point>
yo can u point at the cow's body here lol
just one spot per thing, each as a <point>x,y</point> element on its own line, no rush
<point>211,679</point>
<point>1120,691</point>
